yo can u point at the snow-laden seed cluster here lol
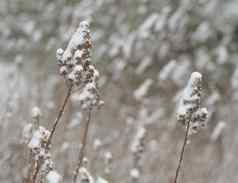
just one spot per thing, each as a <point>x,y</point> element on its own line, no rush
<point>38,141</point>
<point>76,67</point>
<point>36,138</point>
<point>88,97</point>
<point>189,108</point>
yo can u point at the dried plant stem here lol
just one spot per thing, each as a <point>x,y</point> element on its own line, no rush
<point>61,111</point>
<point>35,171</point>
<point>82,148</point>
<point>182,151</point>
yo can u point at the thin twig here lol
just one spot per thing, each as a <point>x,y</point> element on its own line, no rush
<point>82,149</point>
<point>61,111</point>
<point>182,152</point>
<point>59,116</point>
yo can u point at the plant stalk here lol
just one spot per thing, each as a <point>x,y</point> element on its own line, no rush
<point>182,151</point>
<point>61,111</point>
<point>82,148</point>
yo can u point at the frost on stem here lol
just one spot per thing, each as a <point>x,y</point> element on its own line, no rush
<point>76,67</point>
<point>189,108</point>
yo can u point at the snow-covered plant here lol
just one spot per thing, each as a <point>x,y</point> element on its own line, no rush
<point>36,138</point>
<point>190,112</point>
<point>147,39</point>
<point>76,67</point>
<point>81,76</point>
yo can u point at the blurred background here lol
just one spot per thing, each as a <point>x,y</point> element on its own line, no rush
<point>145,51</point>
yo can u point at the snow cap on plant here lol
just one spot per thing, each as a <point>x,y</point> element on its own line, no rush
<point>76,67</point>
<point>189,108</point>
<point>53,177</point>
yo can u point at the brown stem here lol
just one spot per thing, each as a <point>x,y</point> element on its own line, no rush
<point>59,116</point>
<point>82,149</point>
<point>61,111</point>
<point>35,171</point>
<point>182,152</point>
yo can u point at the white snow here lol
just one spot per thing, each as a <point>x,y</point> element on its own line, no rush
<point>53,177</point>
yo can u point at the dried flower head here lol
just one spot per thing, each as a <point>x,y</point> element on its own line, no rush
<point>189,108</point>
<point>36,138</point>
<point>37,144</point>
<point>76,67</point>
